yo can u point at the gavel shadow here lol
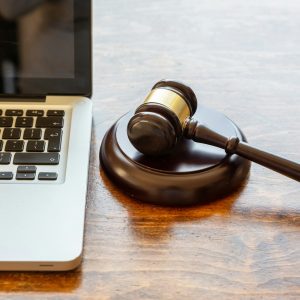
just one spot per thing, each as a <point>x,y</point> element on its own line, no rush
<point>153,222</point>
<point>149,221</point>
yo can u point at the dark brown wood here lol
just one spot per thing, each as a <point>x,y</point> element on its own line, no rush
<point>241,58</point>
<point>201,133</point>
<point>192,173</point>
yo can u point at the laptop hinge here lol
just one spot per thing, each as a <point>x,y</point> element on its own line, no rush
<point>20,98</point>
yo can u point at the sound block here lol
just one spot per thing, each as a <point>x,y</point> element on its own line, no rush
<point>193,173</point>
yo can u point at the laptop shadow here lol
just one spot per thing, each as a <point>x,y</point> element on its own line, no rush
<point>40,282</point>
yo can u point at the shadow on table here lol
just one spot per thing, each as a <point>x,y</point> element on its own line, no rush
<point>156,222</point>
<point>153,222</point>
<point>44,282</point>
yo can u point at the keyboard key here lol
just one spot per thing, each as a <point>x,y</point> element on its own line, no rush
<point>35,146</point>
<point>49,122</point>
<point>25,176</point>
<point>24,122</point>
<point>32,134</point>
<point>54,145</point>
<point>6,121</point>
<point>48,176</point>
<point>53,135</point>
<point>11,133</point>
<point>60,113</point>
<point>26,169</point>
<point>34,113</point>
<point>14,146</point>
<point>6,176</point>
<point>36,159</point>
<point>14,112</point>
<point>5,158</point>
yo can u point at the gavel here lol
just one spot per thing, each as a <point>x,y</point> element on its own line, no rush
<point>165,118</point>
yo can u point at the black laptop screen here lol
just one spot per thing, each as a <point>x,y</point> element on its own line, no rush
<point>45,47</point>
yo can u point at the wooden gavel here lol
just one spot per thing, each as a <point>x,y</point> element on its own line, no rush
<point>165,118</point>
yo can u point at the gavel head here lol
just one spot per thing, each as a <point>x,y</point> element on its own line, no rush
<point>158,123</point>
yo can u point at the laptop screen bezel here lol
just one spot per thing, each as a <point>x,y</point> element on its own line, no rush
<point>81,84</point>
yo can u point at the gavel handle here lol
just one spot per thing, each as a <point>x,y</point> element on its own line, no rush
<point>202,134</point>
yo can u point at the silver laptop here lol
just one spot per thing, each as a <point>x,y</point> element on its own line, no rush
<point>45,130</point>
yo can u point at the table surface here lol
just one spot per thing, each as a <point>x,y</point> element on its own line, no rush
<point>241,58</point>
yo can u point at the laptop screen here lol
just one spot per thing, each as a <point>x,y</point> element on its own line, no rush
<point>45,47</point>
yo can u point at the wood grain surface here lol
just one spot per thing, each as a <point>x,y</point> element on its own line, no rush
<point>242,58</point>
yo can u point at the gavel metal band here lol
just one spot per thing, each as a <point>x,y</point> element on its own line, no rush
<point>170,100</point>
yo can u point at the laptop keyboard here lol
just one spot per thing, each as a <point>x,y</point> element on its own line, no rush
<point>28,139</point>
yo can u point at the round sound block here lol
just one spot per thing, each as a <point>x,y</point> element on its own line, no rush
<point>192,173</point>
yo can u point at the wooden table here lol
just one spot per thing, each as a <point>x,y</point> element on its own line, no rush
<point>242,58</point>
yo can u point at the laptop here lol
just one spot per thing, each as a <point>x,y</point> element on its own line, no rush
<point>45,132</point>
